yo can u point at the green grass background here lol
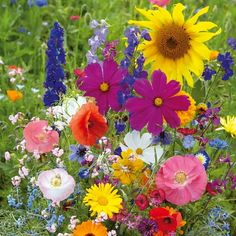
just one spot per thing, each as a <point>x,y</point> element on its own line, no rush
<point>27,50</point>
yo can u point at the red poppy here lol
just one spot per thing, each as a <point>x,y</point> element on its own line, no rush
<point>74,18</point>
<point>88,125</point>
<point>142,202</point>
<point>186,131</point>
<point>168,219</point>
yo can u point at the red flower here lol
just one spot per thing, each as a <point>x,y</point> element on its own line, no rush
<point>168,219</point>
<point>210,189</point>
<point>186,131</point>
<point>79,73</point>
<point>74,18</point>
<point>157,196</point>
<point>88,125</point>
<point>142,202</point>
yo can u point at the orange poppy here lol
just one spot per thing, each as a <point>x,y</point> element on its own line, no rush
<point>14,95</point>
<point>88,125</point>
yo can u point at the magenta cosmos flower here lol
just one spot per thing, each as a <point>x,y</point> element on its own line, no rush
<point>157,101</point>
<point>183,179</point>
<point>103,83</point>
<point>56,184</point>
<point>39,138</point>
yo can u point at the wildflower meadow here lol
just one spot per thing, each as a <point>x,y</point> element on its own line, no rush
<point>117,117</point>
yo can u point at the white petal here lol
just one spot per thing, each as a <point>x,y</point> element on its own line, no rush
<point>148,155</point>
<point>129,141</point>
<point>123,147</point>
<point>136,138</point>
<point>159,151</point>
<point>145,140</point>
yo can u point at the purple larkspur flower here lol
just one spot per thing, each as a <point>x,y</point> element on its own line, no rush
<point>232,43</point>
<point>208,73</point>
<point>158,101</point>
<point>103,83</point>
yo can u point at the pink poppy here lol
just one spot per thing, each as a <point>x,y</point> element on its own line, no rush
<point>160,3</point>
<point>56,184</point>
<point>183,179</point>
<point>74,18</point>
<point>40,139</point>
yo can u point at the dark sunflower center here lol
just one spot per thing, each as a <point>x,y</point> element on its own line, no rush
<point>173,41</point>
<point>90,234</point>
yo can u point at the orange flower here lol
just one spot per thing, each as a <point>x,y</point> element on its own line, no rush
<point>14,95</point>
<point>214,55</point>
<point>88,125</point>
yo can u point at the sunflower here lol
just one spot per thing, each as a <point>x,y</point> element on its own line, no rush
<point>103,198</point>
<point>229,125</point>
<point>176,46</point>
<point>90,228</point>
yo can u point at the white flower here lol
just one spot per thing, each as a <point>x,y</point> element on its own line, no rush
<point>23,172</point>
<point>140,144</point>
<point>16,180</point>
<point>7,156</point>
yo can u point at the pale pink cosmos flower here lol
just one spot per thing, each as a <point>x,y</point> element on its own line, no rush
<point>57,152</point>
<point>183,179</point>
<point>16,180</point>
<point>56,184</point>
<point>39,138</point>
<point>7,156</point>
<point>160,3</point>
<point>23,172</point>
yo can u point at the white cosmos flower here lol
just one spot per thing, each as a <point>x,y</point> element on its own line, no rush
<point>141,145</point>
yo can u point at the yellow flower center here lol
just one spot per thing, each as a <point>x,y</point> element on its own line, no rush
<point>158,102</point>
<point>41,137</point>
<point>102,201</point>
<point>104,87</point>
<point>180,177</point>
<point>173,41</point>
<point>56,181</point>
<point>139,151</point>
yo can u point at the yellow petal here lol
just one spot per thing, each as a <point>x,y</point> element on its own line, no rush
<point>202,26</point>
<point>177,15</point>
<point>150,14</point>
<point>147,24</point>
<point>188,77</point>
<point>205,36</point>
<point>201,49</point>
<point>164,16</point>
<point>197,65</point>
<point>194,18</point>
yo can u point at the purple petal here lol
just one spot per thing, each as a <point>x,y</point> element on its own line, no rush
<point>118,76</point>
<point>158,82</point>
<point>155,123</point>
<point>171,117</point>
<point>172,88</point>
<point>94,73</point>
<point>102,102</point>
<point>144,88</point>
<point>109,69</point>
<point>113,98</point>
<point>137,104</point>
<point>178,103</point>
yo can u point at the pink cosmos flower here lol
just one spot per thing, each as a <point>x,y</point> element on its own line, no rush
<point>157,101</point>
<point>183,179</point>
<point>103,83</point>
<point>39,139</point>
<point>160,3</point>
<point>56,184</point>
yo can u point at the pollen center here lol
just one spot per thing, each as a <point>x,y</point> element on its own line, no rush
<point>104,87</point>
<point>102,201</point>
<point>56,181</point>
<point>41,137</point>
<point>173,41</point>
<point>139,151</point>
<point>180,177</point>
<point>158,102</point>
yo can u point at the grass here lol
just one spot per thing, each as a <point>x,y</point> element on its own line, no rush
<point>27,50</point>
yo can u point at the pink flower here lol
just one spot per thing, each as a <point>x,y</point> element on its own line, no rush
<point>74,18</point>
<point>7,156</point>
<point>23,172</point>
<point>39,138</point>
<point>56,184</point>
<point>103,83</point>
<point>16,180</point>
<point>159,101</point>
<point>160,3</point>
<point>183,179</point>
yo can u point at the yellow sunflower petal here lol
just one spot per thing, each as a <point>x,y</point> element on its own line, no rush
<point>147,24</point>
<point>194,18</point>
<point>178,16</point>
<point>205,36</point>
<point>148,14</point>
<point>201,49</point>
<point>201,26</point>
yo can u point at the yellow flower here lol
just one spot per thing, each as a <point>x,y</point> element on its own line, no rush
<point>127,168</point>
<point>177,46</point>
<point>90,228</point>
<point>14,95</point>
<point>187,116</point>
<point>229,125</point>
<point>201,107</point>
<point>103,198</point>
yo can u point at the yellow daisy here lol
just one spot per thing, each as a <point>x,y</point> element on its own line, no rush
<point>90,228</point>
<point>103,198</point>
<point>187,116</point>
<point>127,168</point>
<point>229,125</point>
<point>177,46</point>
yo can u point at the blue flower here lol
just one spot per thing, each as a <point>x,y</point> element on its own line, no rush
<point>78,153</point>
<point>188,141</point>
<point>218,143</point>
<point>118,151</point>
<point>203,157</point>
<point>164,138</point>
<point>39,3</point>
<point>119,126</point>
<point>232,43</point>
<point>83,173</point>
<point>54,71</point>
<point>226,62</point>
<point>60,220</point>
<point>208,73</point>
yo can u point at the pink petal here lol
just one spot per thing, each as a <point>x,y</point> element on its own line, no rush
<point>171,117</point>
<point>109,69</point>
<point>144,88</point>
<point>178,103</point>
